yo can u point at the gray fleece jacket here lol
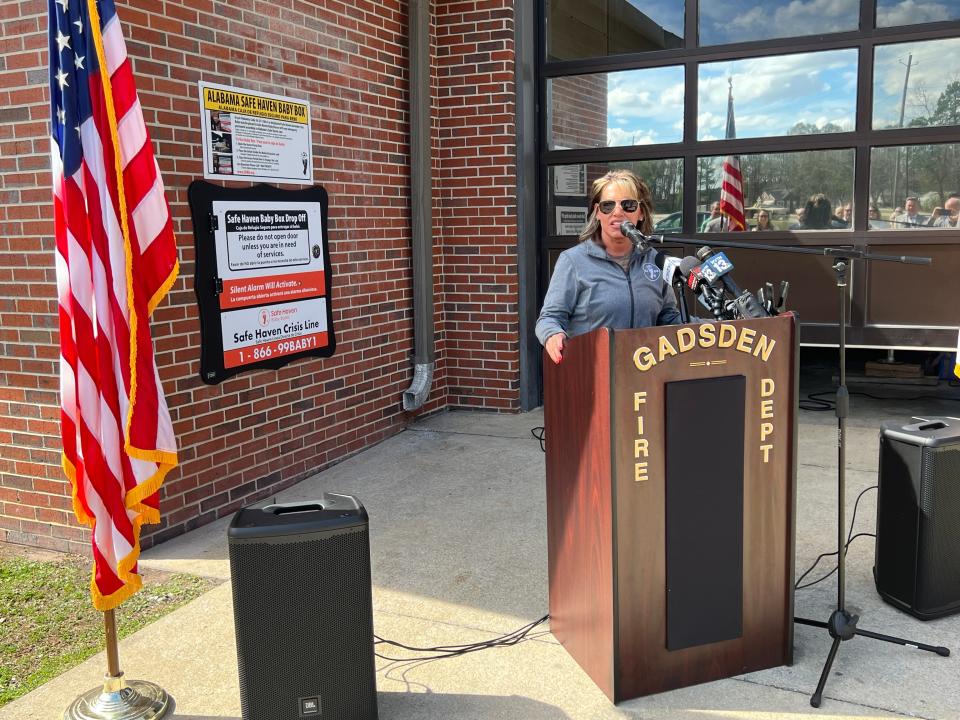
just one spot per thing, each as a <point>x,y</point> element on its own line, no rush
<point>589,290</point>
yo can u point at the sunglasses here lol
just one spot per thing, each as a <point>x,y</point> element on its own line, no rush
<point>629,205</point>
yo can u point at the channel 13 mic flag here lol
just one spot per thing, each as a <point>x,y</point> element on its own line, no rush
<point>116,259</point>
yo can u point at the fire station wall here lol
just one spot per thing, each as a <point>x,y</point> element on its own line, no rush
<point>262,431</point>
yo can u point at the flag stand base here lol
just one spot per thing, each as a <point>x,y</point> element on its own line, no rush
<point>119,699</point>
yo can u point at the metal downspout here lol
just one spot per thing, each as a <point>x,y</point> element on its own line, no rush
<point>421,204</point>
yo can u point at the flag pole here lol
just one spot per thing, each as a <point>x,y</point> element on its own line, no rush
<point>119,699</point>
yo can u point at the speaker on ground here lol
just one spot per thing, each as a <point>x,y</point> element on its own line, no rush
<point>303,610</point>
<point>917,561</point>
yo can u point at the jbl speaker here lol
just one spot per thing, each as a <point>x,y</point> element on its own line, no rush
<point>303,610</point>
<point>917,561</point>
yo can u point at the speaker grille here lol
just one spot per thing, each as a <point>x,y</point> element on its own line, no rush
<point>304,626</point>
<point>938,579</point>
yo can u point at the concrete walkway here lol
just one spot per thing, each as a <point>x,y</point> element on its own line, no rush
<point>458,541</point>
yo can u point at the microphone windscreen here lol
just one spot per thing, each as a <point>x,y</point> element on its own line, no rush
<point>687,264</point>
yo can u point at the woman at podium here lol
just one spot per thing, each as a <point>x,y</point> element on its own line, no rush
<point>604,281</point>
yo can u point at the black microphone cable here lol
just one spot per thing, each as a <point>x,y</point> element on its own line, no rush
<point>450,651</point>
<point>850,538</point>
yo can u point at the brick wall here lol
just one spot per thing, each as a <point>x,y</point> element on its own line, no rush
<point>476,152</point>
<point>578,111</point>
<point>262,431</point>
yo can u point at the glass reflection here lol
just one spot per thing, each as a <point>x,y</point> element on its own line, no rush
<point>915,187</point>
<point>730,21</point>
<point>807,190</point>
<point>569,187</point>
<point>910,12</point>
<point>596,28</point>
<point>634,107</point>
<point>915,84</point>
<point>782,95</point>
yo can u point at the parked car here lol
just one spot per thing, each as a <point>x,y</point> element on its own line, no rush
<point>673,223</point>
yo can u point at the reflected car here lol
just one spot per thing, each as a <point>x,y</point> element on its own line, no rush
<point>673,223</point>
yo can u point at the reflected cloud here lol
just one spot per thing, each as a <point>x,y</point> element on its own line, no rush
<point>743,20</point>
<point>772,94</point>
<point>617,137</point>
<point>910,12</point>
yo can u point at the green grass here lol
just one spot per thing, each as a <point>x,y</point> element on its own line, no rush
<point>48,623</point>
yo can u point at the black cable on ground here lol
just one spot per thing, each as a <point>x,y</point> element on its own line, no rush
<point>822,405</point>
<point>449,651</point>
<point>850,538</point>
<point>540,434</point>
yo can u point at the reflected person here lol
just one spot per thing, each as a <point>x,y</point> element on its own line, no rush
<point>763,222</point>
<point>817,213</point>
<point>604,281</point>
<point>946,216</point>
<point>714,219</point>
<point>911,217</point>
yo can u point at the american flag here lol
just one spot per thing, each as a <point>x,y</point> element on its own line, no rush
<point>731,187</point>
<point>116,259</point>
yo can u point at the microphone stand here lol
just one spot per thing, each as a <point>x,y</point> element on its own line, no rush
<point>841,625</point>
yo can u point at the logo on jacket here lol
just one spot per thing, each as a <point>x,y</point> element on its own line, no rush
<point>651,271</point>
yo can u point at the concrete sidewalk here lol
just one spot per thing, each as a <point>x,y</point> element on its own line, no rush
<point>458,542</point>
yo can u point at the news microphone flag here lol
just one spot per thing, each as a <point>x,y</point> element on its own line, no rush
<point>731,182</point>
<point>116,259</point>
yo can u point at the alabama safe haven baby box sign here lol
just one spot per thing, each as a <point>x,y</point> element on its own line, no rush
<point>263,277</point>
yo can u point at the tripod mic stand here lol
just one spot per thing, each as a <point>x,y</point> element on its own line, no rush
<point>841,625</point>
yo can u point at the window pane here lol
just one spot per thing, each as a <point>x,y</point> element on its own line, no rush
<point>729,21</point>
<point>782,95</point>
<point>634,107</point>
<point>783,184</point>
<point>916,85</point>
<point>596,28</point>
<point>911,186</point>
<point>910,12</point>
<point>569,191</point>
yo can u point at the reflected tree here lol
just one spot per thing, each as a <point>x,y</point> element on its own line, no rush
<point>937,167</point>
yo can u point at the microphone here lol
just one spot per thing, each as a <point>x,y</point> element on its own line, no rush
<point>707,295</point>
<point>689,270</point>
<point>629,231</point>
<point>747,306</point>
<point>717,266</point>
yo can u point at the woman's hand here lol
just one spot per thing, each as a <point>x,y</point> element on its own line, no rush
<point>554,347</point>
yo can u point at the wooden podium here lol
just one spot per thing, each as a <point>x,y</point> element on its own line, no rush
<point>671,488</point>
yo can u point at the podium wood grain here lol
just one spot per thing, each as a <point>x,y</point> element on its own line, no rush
<point>606,530</point>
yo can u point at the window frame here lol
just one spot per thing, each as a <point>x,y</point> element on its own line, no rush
<point>862,139</point>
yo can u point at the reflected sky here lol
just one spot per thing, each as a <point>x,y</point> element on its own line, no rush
<point>645,106</point>
<point>727,21</point>
<point>909,12</point>
<point>934,65</point>
<point>666,13</point>
<point>771,95</point>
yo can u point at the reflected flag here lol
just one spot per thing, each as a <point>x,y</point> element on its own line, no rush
<point>731,187</point>
<point>116,259</point>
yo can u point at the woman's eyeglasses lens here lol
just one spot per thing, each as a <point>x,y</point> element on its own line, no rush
<point>629,205</point>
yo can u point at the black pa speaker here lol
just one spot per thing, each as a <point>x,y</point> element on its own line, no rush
<point>917,561</point>
<point>303,610</point>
